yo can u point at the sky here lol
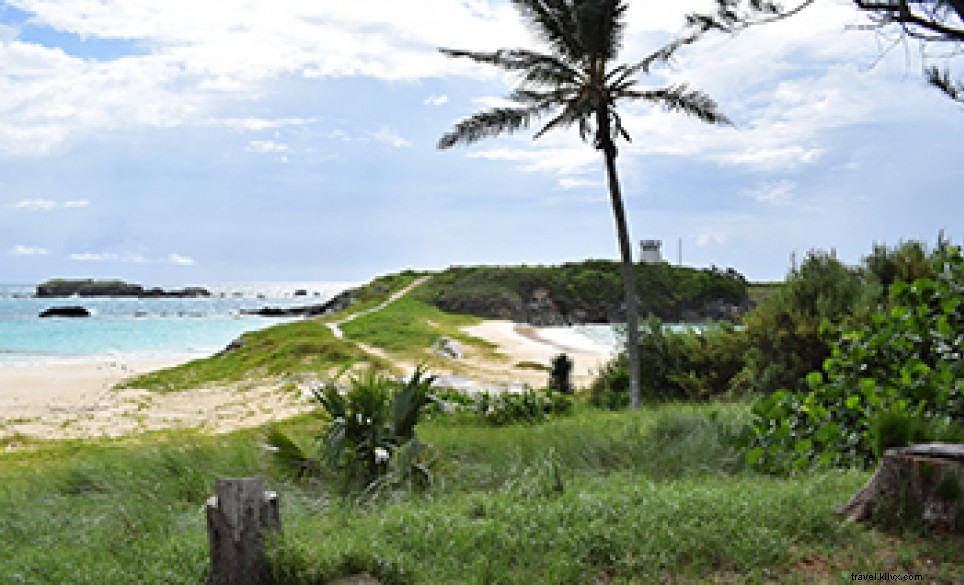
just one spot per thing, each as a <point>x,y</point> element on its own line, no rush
<point>255,140</point>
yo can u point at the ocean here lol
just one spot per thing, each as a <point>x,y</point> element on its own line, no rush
<point>146,328</point>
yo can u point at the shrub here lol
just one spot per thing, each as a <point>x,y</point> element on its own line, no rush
<point>898,378</point>
<point>782,332</point>
<point>371,432</point>
<point>674,365</point>
<point>504,408</point>
<point>560,376</point>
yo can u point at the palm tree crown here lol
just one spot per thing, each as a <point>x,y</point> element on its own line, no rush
<point>578,82</point>
<point>577,77</point>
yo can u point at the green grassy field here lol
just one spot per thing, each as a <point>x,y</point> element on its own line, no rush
<point>656,495</point>
<point>593,498</point>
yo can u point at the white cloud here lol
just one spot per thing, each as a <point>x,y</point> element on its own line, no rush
<point>50,204</point>
<point>203,54</point>
<point>180,260</point>
<point>108,257</point>
<point>436,100</point>
<point>389,136</point>
<point>36,204</point>
<point>266,146</point>
<point>574,183</point>
<point>259,124</point>
<point>705,239</point>
<point>777,192</point>
<point>29,251</point>
<point>560,160</point>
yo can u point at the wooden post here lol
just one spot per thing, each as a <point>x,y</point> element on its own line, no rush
<point>238,518</point>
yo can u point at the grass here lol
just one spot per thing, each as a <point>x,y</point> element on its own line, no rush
<point>408,328</point>
<point>282,350</point>
<point>594,498</point>
<point>288,349</point>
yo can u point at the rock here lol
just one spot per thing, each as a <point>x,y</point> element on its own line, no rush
<point>111,288</point>
<point>233,346</point>
<point>448,348</point>
<point>72,312</point>
<point>342,301</point>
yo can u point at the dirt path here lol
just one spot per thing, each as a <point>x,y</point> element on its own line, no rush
<point>336,325</point>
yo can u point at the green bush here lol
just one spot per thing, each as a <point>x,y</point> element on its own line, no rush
<point>505,408</point>
<point>560,375</point>
<point>674,365</point>
<point>898,378</point>
<point>782,332</point>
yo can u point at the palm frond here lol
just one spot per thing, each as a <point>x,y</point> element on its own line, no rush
<point>491,122</point>
<point>663,55</point>
<point>537,67</point>
<point>576,111</point>
<point>680,98</point>
<point>600,25</point>
<point>560,96</point>
<point>552,21</point>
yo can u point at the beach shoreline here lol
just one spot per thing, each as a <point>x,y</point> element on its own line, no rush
<point>79,399</point>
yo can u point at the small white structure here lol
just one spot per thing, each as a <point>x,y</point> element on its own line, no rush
<point>649,251</point>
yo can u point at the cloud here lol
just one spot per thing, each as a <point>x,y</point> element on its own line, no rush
<point>705,239</point>
<point>259,124</point>
<point>29,251</point>
<point>179,260</point>
<point>777,192</point>
<point>36,204</point>
<point>108,257</point>
<point>436,100</point>
<point>389,136</point>
<point>573,183</point>
<point>200,57</point>
<point>50,205</point>
<point>266,146</point>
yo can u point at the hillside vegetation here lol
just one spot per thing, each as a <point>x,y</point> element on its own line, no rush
<point>586,292</point>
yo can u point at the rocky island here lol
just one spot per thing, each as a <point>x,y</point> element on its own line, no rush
<point>59,288</point>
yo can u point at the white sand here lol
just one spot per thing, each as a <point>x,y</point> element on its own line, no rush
<point>525,343</point>
<point>57,401</point>
<point>78,400</point>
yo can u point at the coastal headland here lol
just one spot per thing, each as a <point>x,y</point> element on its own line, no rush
<point>508,322</point>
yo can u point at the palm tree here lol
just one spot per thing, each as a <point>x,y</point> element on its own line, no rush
<point>578,81</point>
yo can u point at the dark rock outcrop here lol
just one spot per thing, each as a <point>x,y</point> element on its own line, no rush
<point>111,288</point>
<point>541,310</point>
<point>339,302</point>
<point>72,312</point>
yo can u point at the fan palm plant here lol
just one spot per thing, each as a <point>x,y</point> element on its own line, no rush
<point>578,81</point>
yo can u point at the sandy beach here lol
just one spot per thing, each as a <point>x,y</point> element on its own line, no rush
<point>77,400</point>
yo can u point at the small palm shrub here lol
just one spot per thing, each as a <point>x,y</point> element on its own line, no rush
<point>370,439</point>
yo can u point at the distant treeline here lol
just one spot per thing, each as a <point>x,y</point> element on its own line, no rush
<point>586,292</point>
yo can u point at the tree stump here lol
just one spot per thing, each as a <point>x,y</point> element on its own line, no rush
<point>920,482</point>
<point>238,518</point>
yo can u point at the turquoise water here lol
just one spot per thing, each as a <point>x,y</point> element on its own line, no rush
<point>146,327</point>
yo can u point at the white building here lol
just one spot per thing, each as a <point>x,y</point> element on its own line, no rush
<point>649,251</point>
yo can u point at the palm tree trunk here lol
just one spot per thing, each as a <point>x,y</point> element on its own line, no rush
<point>626,256</point>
